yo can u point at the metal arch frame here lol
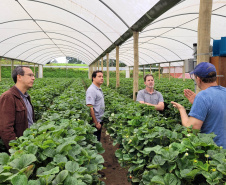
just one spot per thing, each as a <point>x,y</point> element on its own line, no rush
<point>50,44</point>
<point>74,15</point>
<point>162,47</point>
<point>48,57</point>
<point>139,57</point>
<point>114,13</point>
<point>49,32</point>
<point>54,23</point>
<point>42,39</point>
<point>148,50</point>
<point>81,56</point>
<point>55,56</point>
<point>42,55</point>
<point>123,62</point>
<point>161,37</point>
<point>56,47</point>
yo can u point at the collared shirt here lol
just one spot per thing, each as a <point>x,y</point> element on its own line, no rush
<point>95,97</point>
<point>153,98</point>
<point>28,106</point>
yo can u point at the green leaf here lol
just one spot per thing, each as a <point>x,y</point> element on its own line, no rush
<point>23,161</point>
<point>72,166</point>
<point>32,149</point>
<point>19,180</point>
<point>49,152</point>
<point>99,148</point>
<point>70,180</point>
<point>158,179</point>
<point>222,168</point>
<point>171,179</point>
<point>202,166</point>
<point>4,158</point>
<point>48,173</point>
<point>156,149</point>
<point>219,157</point>
<point>60,177</point>
<point>60,159</point>
<point>87,179</point>
<point>61,147</point>
<point>158,160</point>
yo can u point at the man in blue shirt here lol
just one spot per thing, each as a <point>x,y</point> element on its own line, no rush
<point>208,112</point>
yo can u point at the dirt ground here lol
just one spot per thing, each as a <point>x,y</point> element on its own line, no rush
<point>114,174</point>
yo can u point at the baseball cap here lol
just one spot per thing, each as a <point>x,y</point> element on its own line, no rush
<point>203,69</point>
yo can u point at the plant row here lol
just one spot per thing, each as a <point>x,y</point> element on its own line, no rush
<point>157,149</point>
<point>59,149</point>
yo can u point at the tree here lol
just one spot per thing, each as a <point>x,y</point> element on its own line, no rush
<point>72,60</point>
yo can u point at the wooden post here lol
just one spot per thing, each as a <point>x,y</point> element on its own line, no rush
<point>12,66</point>
<point>107,65</point>
<point>98,65</point>
<point>183,71</point>
<point>102,64</point>
<point>174,71</point>
<point>34,68</point>
<point>129,71</point>
<point>143,71</point>
<point>21,63</point>
<point>159,71</point>
<point>90,71</point>
<point>0,71</point>
<point>117,67</point>
<point>169,70</point>
<point>150,68</point>
<point>136,64</point>
<point>204,27</point>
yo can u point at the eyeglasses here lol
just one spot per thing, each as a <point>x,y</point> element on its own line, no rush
<point>31,75</point>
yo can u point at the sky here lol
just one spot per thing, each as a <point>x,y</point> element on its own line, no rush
<point>61,60</point>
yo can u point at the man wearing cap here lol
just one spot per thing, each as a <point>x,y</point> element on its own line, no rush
<point>208,112</point>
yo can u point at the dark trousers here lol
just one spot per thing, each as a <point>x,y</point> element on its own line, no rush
<point>98,132</point>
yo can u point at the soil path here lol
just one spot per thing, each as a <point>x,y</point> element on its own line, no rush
<point>114,173</point>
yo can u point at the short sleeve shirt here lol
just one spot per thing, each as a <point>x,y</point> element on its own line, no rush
<point>209,106</point>
<point>153,98</point>
<point>95,97</point>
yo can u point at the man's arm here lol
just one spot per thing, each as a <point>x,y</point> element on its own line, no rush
<point>92,113</point>
<point>7,115</point>
<point>187,121</point>
<point>160,105</point>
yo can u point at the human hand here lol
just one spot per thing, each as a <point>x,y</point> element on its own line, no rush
<point>177,105</point>
<point>190,95</point>
<point>98,126</point>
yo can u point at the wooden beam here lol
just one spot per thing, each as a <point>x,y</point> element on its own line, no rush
<point>136,64</point>
<point>117,67</point>
<point>150,68</point>
<point>12,66</point>
<point>174,71</point>
<point>102,64</point>
<point>98,65</point>
<point>0,71</point>
<point>183,71</point>
<point>143,71</point>
<point>204,28</point>
<point>107,65</point>
<point>159,71</point>
<point>169,70</point>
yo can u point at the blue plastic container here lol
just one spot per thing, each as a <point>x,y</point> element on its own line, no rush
<point>216,47</point>
<point>223,47</point>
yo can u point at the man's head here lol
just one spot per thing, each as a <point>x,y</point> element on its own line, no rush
<point>149,81</point>
<point>205,71</point>
<point>97,77</point>
<point>24,76</point>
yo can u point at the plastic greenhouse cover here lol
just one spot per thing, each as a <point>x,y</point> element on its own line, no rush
<point>38,31</point>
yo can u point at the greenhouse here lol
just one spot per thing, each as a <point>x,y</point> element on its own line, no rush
<point>171,52</point>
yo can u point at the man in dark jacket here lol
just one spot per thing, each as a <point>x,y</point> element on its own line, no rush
<point>16,111</point>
